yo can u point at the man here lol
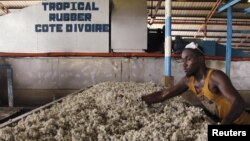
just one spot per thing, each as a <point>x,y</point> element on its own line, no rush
<point>212,87</point>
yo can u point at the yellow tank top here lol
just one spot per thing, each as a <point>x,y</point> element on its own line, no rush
<point>216,104</point>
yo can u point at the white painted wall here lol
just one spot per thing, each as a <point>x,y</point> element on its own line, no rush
<point>18,31</point>
<point>129,26</point>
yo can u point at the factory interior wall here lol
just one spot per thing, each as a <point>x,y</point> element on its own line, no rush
<point>38,80</point>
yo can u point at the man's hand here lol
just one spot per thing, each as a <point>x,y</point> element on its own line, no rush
<point>151,98</point>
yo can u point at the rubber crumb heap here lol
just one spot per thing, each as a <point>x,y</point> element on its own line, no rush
<point>112,111</point>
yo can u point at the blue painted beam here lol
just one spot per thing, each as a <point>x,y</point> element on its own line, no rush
<point>229,4</point>
<point>229,41</point>
<point>247,10</point>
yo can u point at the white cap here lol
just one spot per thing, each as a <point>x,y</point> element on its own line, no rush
<point>192,45</point>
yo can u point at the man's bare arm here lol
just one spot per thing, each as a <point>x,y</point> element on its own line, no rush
<point>167,93</point>
<point>226,88</point>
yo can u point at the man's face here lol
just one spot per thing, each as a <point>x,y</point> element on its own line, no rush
<point>191,62</point>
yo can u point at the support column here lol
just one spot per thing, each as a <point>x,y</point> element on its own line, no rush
<point>228,6</point>
<point>168,79</point>
<point>229,40</point>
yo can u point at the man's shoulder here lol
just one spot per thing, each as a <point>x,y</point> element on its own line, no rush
<point>216,72</point>
<point>218,75</point>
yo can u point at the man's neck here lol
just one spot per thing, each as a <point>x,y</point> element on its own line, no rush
<point>201,74</point>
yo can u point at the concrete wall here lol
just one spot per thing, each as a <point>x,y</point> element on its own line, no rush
<point>42,79</point>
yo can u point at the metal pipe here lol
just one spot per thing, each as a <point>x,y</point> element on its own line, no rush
<point>209,16</point>
<point>242,41</point>
<point>156,11</point>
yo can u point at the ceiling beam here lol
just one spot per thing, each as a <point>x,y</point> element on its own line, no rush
<point>248,42</point>
<point>198,23</point>
<point>236,10</point>
<point>15,7</point>
<point>3,8</point>
<point>155,13</point>
<point>247,10</point>
<point>214,30</point>
<point>242,1</point>
<point>229,4</point>
<point>202,16</point>
<point>199,36</point>
<point>203,26</point>
<point>243,40</point>
<point>189,0</point>
<point>20,0</point>
<point>201,20</point>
